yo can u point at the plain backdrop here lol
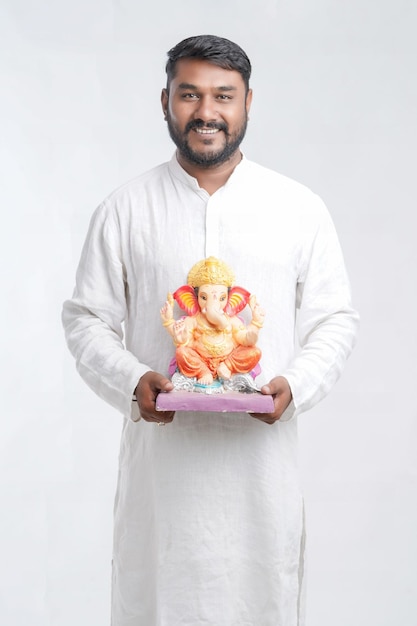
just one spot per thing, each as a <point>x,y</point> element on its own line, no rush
<point>335,102</point>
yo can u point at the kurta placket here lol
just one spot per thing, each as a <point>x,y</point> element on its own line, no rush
<point>213,210</point>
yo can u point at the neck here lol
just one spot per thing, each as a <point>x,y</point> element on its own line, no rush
<point>211,178</point>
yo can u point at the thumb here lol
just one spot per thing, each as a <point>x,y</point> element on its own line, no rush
<point>156,381</point>
<point>165,384</point>
<point>266,390</point>
<point>276,386</point>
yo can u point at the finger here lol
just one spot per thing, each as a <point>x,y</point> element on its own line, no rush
<point>162,417</point>
<point>158,417</point>
<point>150,413</point>
<point>267,418</point>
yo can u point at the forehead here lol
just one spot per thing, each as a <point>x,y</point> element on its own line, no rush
<point>204,75</point>
<point>212,289</point>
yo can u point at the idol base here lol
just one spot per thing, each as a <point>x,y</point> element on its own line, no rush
<point>227,402</point>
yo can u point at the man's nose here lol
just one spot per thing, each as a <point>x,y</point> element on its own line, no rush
<point>206,109</point>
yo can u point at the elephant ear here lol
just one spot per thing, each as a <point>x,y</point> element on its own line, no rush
<point>238,299</point>
<point>187,300</point>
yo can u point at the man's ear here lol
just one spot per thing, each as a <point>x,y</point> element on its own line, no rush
<point>248,100</point>
<point>164,101</point>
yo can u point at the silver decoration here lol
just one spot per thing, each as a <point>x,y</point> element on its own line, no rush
<point>243,383</point>
<point>182,383</point>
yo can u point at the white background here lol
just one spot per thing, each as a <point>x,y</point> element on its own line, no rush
<point>334,107</point>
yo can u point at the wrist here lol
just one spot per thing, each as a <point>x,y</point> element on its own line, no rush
<point>181,343</point>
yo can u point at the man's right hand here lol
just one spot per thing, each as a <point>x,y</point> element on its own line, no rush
<point>148,387</point>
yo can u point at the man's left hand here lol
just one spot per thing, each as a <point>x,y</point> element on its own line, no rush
<point>280,391</point>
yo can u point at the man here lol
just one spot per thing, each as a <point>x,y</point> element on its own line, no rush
<point>208,514</point>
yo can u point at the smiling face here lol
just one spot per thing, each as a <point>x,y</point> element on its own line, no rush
<point>206,109</point>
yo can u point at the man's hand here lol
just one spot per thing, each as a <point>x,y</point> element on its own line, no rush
<point>149,385</point>
<point>280,391</point>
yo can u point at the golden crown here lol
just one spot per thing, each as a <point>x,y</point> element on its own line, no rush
<point>210,271</point>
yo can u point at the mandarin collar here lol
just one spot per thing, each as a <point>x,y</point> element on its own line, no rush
<point>179,172</point>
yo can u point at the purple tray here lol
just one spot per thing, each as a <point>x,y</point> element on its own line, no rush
<point>228,402</point>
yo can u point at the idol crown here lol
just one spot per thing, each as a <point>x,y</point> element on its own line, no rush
<point>210,271</point>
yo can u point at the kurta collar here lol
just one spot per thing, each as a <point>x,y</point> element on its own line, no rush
<point>179,173</point>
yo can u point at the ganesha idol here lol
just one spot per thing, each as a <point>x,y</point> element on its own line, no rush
<point>215,350</point>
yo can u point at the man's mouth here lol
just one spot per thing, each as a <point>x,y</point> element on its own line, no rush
<point>207,131</point>
<point>208,128</point>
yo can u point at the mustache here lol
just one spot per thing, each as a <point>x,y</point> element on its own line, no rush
<point>194,124</point>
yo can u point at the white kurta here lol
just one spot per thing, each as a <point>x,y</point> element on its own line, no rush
<point>208,513</point>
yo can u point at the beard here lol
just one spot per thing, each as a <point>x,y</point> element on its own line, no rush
<point>206,159</point>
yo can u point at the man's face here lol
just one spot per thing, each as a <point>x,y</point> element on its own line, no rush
<point>207,111</point>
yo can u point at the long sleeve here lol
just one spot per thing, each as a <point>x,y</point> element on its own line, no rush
<point>327,323</point>
<point>93,318</point>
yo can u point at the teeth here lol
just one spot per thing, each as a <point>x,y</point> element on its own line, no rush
<point>207,131</point>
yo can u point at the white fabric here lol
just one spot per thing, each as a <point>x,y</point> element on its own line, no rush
<point>208,513</point>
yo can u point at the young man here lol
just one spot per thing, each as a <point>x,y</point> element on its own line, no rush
<point>208,516</point>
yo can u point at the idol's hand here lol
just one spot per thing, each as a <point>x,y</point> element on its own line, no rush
<point>149,385</point>
<point>180,332</point>
<point>258,313</point>
<point>167,311</point>
<point>280,391</point>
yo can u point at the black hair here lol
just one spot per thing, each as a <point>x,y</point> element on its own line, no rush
<point>216,50</point>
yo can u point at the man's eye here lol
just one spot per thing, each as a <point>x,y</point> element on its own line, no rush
<point>189,96</point>
<point>222,96</point>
